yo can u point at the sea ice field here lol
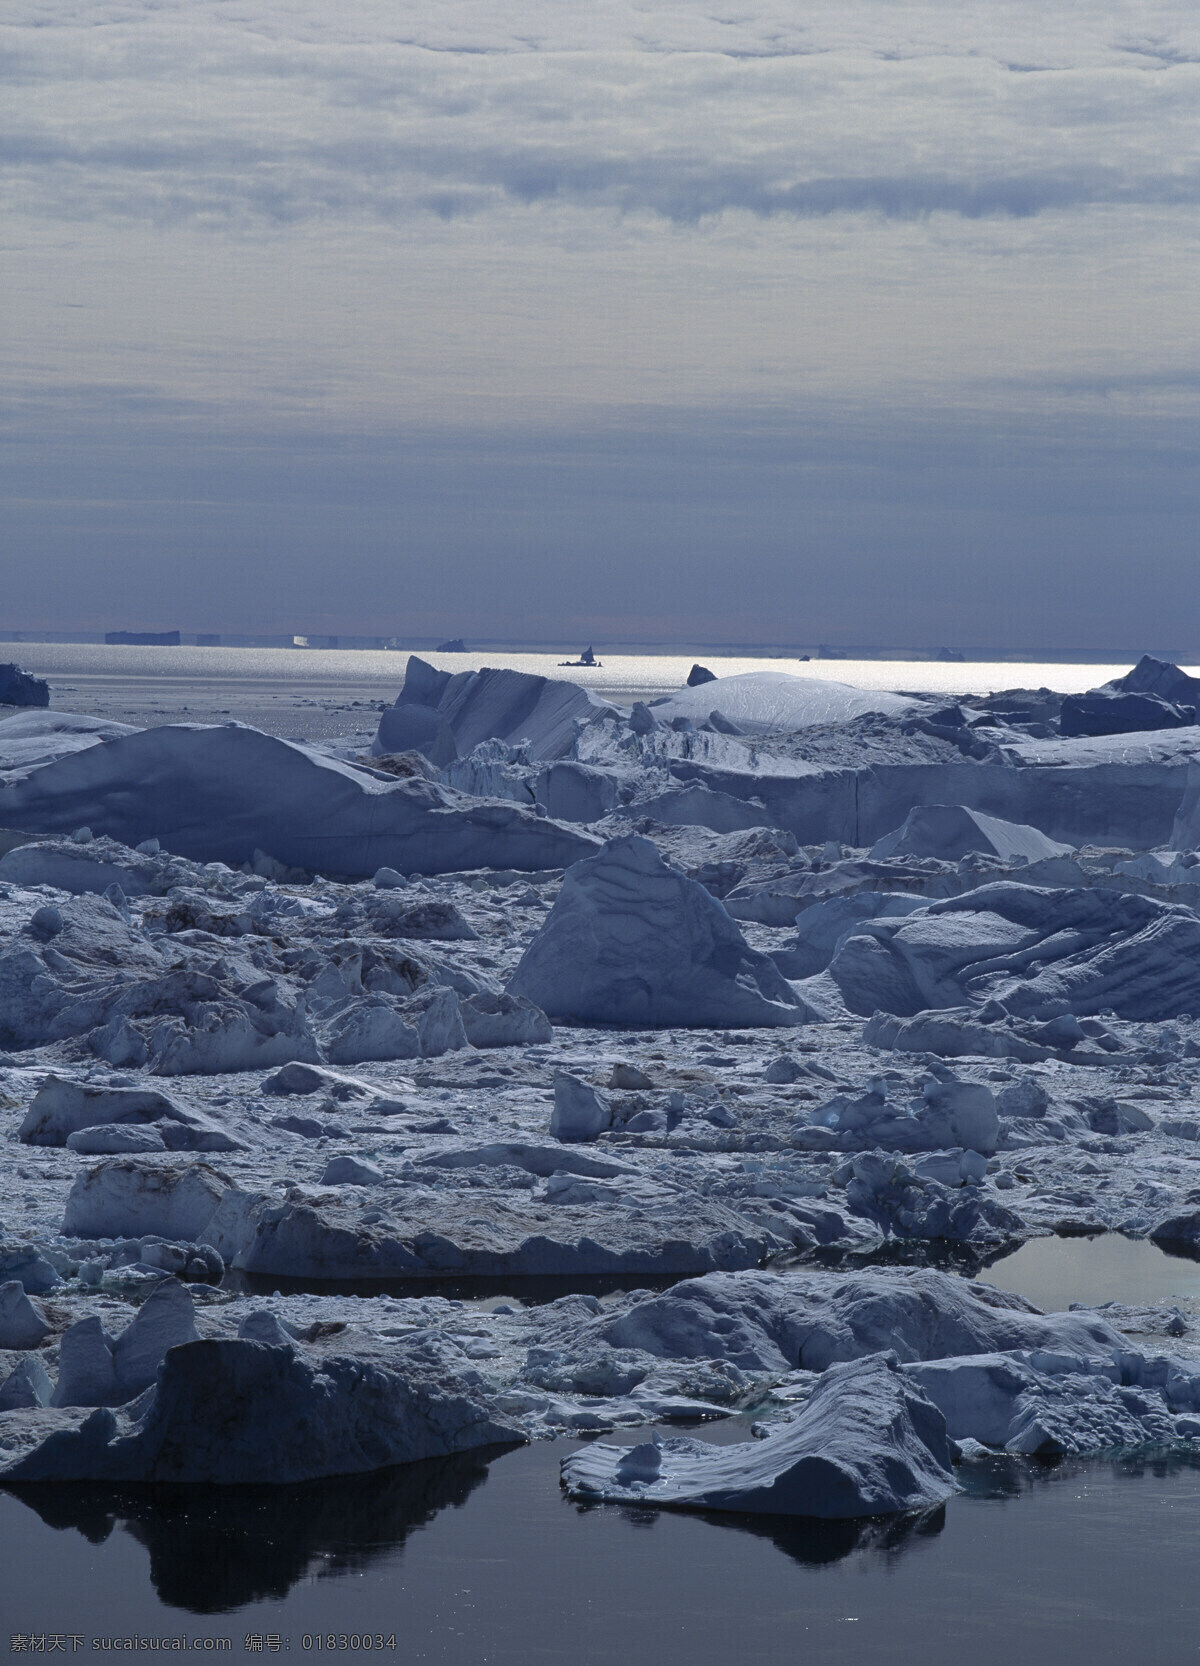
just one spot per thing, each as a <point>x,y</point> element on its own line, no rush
<point>711,1175</point>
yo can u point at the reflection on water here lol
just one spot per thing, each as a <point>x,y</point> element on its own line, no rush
<point>213,1549</point>
<point>809,1542</point>
<point>1000,1475</point>
<point>470,1562</point>
<point>618,673</point>
<point>1054,1272</point>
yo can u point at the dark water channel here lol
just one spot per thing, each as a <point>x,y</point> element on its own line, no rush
<point>467,1560</point>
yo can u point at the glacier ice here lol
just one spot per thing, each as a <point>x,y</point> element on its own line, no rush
<point>868,1443</point>
<point>550,1052</point>
<point>221,794</point>
<point>238,1411</point>
<point>632,941</point>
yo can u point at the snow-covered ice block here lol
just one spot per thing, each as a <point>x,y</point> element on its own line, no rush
<point>1045,1403</point>
<point>33,738</point>
<point>542,1160</point>
<point>778,702</point>
<point>769,1321</point>
<point>439,1021</point>
<point>491,1233</point>
<point>263,1326</point>
<point>29,1267</point>
<point>372,1029</point>
<point>238,1412</point>
<point>351,1171</point>
<point>1040,953</point>
<point>227,1036</point>
<point>823,926</point>
<point>310,1078</point>
<point>26,1386</point>
<point>387,879</point>
<point>955,1033</point>
<point>433,921</point>
<point>950,1113</point>
<point>62,1107</point>
<point>128,1198</point>
<point>223,793</point>
<point>166,1319</point>
<point>475,706</point>
<point>68,866</point>
<point>696,805</point>
<point>633,941</point>
<point>108,1139</point>
<point>86,1374</point>
<point>580,1111</point>
<point>503,1021</point>
<point>868,1443</point>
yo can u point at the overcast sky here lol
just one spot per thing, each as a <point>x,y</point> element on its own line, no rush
<point>856,321</point>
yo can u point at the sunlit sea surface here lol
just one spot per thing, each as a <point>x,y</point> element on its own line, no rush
<point>321,692</point>
<point>636,674</point>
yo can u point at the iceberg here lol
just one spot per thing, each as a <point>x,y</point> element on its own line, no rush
<point>233,1412</point>
<point>952,831</point>
<point>18,688</point>
<point>467,707</point>
<point>868,1443</point>
<point>1037,953</point>
<point>221,794</point>
<point>774,702</point>
<point>633,941</point>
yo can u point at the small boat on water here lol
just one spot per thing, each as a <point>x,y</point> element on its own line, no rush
<point>587,657</point>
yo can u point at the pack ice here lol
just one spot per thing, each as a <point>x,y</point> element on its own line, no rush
<point>740,1001</point>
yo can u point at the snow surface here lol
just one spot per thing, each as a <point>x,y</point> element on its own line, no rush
<point>770,702</point>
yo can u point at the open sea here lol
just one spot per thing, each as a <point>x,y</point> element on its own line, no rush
<point>321,693</point>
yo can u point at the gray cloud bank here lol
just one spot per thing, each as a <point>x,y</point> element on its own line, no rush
<point>174,112</point>
<point>880,313</point>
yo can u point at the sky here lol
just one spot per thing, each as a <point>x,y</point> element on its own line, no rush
<point>864,322</point>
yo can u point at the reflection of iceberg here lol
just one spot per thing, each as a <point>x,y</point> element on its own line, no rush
<point>816,1544</point>
<point>1001,1475</point>
<point>811,1543</point>
<point>216,1549</point>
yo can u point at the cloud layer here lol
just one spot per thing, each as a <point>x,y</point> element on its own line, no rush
<point>835,264</point>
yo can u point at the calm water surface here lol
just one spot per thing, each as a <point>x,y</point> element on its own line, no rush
<point>468,1561</point>
<point>313,692</point>
<point>1054,1272</point>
